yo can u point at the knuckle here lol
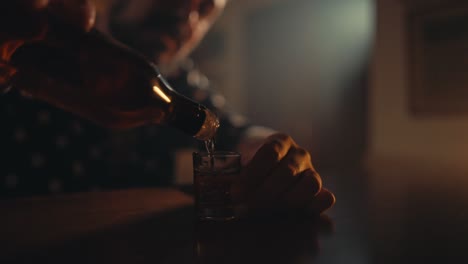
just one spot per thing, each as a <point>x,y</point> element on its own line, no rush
<point>315,181</point>
<point>318,183</point>
<point>301,157</point>
<point>292,168</point>
<point>285,138</point>
<point>331,199</point>
<point>302,153</point>
<point>274,148</point>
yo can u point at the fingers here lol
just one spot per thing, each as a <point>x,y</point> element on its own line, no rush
<point>283,177</point>
<point>274,149</point>
<point>265,159</point>
<point>304,191</point>
<point>270,154</point>
<point>323,201</point>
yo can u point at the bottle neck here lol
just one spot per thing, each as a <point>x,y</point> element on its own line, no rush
<point>185,114</point>
<point>127,90</point>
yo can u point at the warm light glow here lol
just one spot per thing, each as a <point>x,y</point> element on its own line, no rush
<point>161,94</point>
<point>220,3</point>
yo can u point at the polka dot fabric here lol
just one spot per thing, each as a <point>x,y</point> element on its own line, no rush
<point>46,150</point>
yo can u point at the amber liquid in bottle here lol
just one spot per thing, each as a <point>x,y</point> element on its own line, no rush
<point>93,75</point>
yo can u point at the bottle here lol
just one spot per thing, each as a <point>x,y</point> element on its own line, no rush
<point>99,78</point>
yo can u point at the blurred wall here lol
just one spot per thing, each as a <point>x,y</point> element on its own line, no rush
<point>306,65</point>
<point>298,66</point>
<point>395,134</point>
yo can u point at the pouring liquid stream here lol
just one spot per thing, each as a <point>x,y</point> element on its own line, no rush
<point>210,149</point>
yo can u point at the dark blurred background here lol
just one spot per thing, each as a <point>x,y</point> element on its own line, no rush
<point>298,66</point>
<point>356,81</point>
<point>359,83</point>
<point>377,91</point>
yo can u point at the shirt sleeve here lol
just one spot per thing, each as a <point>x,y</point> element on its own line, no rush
<point>190,82</point>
